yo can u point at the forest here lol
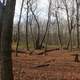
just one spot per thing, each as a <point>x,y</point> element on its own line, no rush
<point>39,40</point>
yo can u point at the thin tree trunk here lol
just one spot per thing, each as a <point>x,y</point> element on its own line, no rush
<point>27,45</point>
<point>38,35</point>
<point>32,34</point>
<point>68,23</point>
<point>49,14</point>
<point>18,35</point>
<point>77,18</point>
<point>46,42</point>
<point>59,36</point>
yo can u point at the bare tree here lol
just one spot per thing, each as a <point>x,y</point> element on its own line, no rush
<point>33,39</point>
<point>27,22</point>
<point>18,33</point>
<point>37,45</point>
<point>77,18</point>
<point>48,21</point>
<point>58,25</point>
<point>68,21</point>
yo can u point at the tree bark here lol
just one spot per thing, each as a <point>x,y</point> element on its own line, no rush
<point>77,19</point>
<point>6,41</point>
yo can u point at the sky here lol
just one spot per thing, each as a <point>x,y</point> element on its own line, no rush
<point>42,6</point>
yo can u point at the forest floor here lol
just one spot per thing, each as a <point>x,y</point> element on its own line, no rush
<point>56,65</point>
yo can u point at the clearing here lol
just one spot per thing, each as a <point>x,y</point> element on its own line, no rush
<point>57,65</point>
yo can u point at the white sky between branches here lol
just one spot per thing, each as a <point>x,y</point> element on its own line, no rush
<point>42,5</point>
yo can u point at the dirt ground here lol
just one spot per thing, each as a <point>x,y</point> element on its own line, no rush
<point>57,65</point>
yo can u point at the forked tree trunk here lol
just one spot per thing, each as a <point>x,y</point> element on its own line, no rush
<point>69,27</point>
<point>37,43</point>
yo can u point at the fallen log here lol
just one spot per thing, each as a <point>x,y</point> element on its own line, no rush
<point>40,65</point>
<point>49,50</point>
<point>40,53</point>
<point>19,51</point>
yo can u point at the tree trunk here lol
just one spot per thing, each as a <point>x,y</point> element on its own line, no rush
<point>77,18</point>
<point>32,36</point>
<point>1,19</point>
<point>27,18</point>
<point>37,45</point>
<point>18,35</point>
<point>49,14</point>
<point>59,36</point>
<point>6,40</point>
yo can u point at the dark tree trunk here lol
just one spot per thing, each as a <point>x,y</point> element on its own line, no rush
<point>1,19</point>
<point>77,18</point>
<point>27,18</point>
<point>6,40</point>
